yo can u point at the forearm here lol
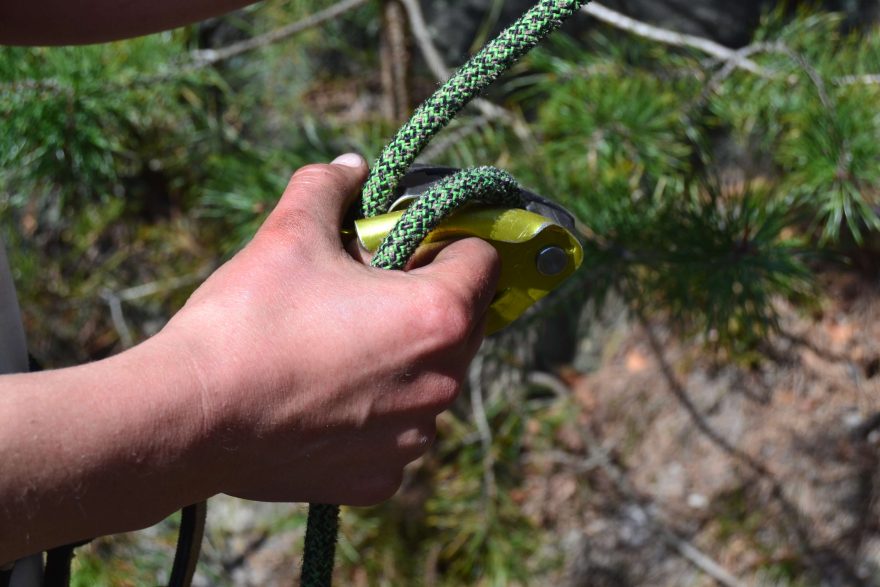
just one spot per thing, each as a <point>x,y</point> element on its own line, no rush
<point>98,449</point>
<point>266,385</point>
<point>61,22</point>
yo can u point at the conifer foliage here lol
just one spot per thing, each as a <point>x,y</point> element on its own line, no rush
<point>707,189</point>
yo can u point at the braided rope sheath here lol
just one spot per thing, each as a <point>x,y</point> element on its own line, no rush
<point>483,184</point>
<point>473,77</point>
<point>321,530</point>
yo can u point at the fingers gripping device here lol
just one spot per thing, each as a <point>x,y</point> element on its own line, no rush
<point>536,243</point>
<point>537,250</point>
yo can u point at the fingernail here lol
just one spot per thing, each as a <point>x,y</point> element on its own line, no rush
<point>349,160</point>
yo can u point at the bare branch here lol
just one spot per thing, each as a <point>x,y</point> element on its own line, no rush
<point>700,559</point>
<point>423,39</point>
<point>149,289</point>
<point>203,57</point>
<point>453,137</point>
<point>807,67</point>
<point>438,67</point>
<point>550,382</point>
<point>394,60</point>
<point>821,558</point>
<point>598,457</point>
<point>118,317</point>
<point>479,409</point>
<point>677,389</point>
<point>851,80</point>
<point>732,58</point>
<point>207,57</point>
<point>114,300</point>
<point>667,37</point>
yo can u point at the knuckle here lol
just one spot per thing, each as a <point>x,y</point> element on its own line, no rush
<point>487,267</point>
<point>380,488</point>
<point>445,391</point>
<point>415,442</point>
<point>317,176</point>
<point>289,225</point>
<point>485,256</point>
<point>313,172</point>
<point>445,315</point>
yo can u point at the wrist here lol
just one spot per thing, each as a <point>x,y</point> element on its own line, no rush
<point>107,447</point>
<point>187,426</point>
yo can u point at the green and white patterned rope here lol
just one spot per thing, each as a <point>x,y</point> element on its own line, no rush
<point>472,78</point>
<point>484,184</point>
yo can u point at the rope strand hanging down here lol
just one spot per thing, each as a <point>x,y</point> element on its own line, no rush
<point>483,184</point>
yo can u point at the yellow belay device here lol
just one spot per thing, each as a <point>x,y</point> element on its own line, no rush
<point>537,246</point>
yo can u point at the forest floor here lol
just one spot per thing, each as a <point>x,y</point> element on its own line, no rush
<point>768,470</point>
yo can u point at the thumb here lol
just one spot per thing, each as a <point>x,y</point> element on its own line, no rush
<point>469,268</point>
<point>316,200</point>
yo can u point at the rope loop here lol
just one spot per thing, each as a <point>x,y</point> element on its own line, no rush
<point>483,184</point>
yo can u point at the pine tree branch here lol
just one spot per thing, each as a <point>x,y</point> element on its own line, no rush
<point>206,57</point>
<point>34,85</point>
<point>200,58</point>
<point>733,58</point>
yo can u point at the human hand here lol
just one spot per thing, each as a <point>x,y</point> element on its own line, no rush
<point>321,377</point>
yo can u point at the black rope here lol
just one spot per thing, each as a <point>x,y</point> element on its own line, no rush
<point>6,576</point>
<point>58,561</point>
<point>189,544</point>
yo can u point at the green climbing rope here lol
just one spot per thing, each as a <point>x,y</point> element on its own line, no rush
<point>471,79</point>
<point>484,184</point>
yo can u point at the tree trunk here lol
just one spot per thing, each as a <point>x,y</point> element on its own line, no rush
<point>394,54</point>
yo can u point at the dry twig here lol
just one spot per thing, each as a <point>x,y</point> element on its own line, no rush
<point>482,421</point>
<point>667,37</point>
<point>207,57</point>
<point>114,300</point>
<point>441,72</point>
<point>684,548</point>
<point>394,62</point>
<point>598,458</point>
<point>732,58</point>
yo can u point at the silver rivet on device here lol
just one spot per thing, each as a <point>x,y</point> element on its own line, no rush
<point>552,261</point>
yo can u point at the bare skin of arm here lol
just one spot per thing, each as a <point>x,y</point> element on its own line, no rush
<point>294,373</point>
<point>66,22</point>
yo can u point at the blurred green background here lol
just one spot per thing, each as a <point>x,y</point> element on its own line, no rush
<point>698,407</point>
